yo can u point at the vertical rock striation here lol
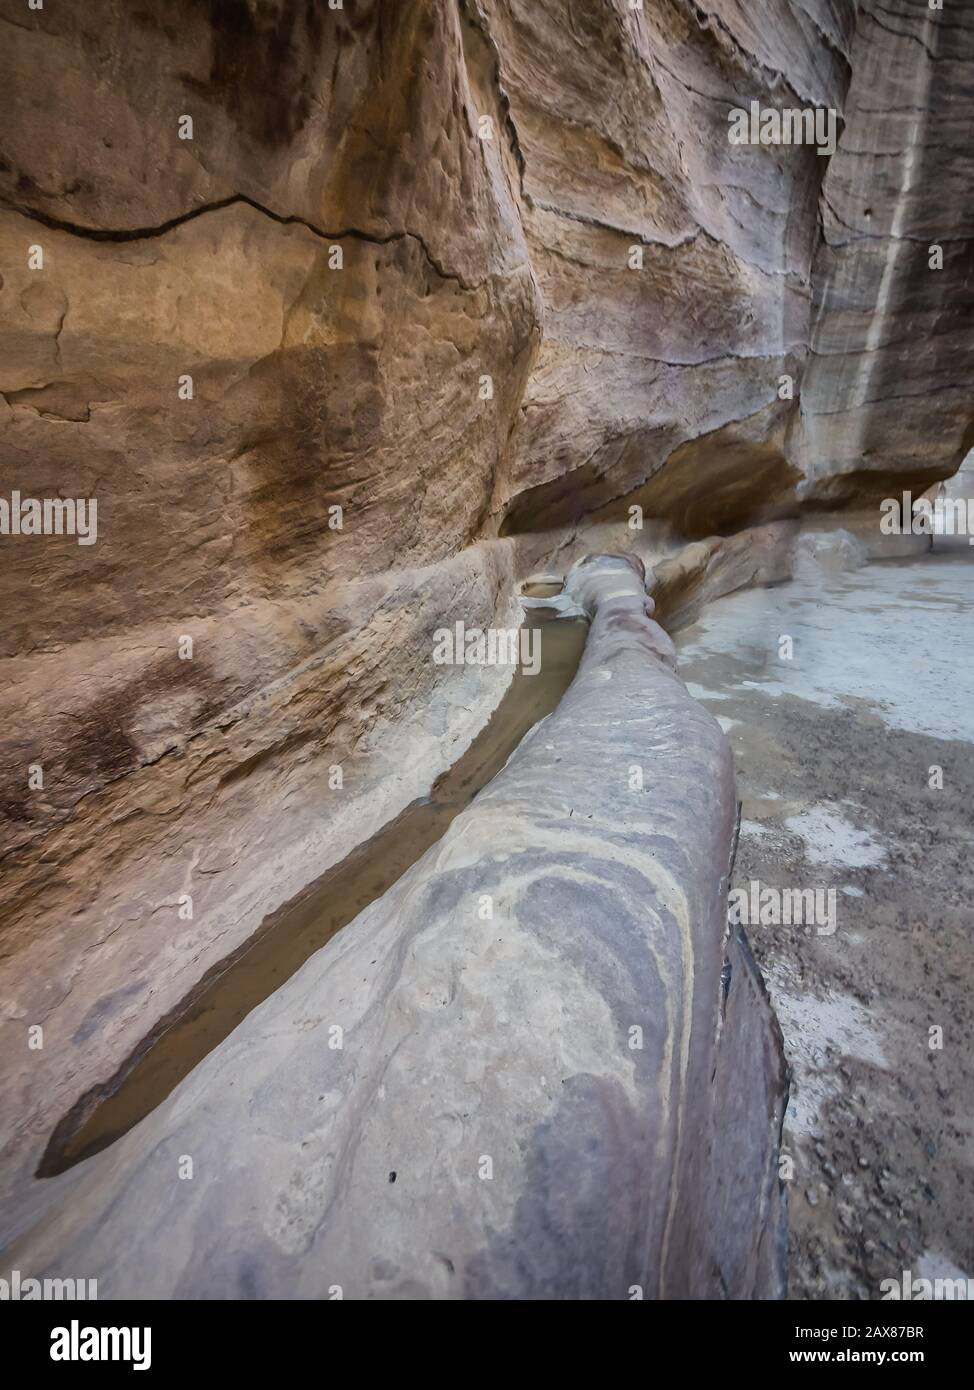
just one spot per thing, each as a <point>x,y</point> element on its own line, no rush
<point>885,402</point>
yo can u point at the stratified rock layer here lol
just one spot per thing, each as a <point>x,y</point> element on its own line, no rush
<point>394,258</point>
<point>538,1067</point>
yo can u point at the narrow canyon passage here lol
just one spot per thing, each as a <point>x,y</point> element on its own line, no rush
<point>281,947</point>
<point>566,939</point>
<point>348,951</point>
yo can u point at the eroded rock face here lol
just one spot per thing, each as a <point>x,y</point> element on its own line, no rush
<point>886,393</point>
<point>483,387</point>
<point>556,1076</point>
<point>315,133</point>
<point>654,375</point>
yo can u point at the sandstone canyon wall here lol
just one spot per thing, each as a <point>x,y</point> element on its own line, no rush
<point>487,1129</point>
<point>391,307</point>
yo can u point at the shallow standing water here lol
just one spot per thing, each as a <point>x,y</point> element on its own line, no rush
<point>237,985</point>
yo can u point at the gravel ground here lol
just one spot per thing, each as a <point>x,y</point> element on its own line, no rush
<point>834,746</point>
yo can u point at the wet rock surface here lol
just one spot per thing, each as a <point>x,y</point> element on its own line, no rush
<point>555,1075</point>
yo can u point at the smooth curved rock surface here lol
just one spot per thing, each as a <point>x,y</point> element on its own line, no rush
<point>487,1128</point>
<point>463,258</point>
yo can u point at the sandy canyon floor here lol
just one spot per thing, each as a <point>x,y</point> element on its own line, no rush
<point>836,749</point>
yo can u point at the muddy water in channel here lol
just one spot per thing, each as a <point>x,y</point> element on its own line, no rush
<point>237,985</point>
